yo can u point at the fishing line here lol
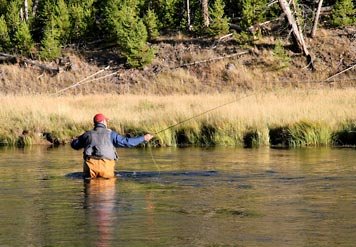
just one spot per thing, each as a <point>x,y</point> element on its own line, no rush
<point>195,116</point>
<point>81,81</point>
<point>205,112</point>
<point>154,161</point>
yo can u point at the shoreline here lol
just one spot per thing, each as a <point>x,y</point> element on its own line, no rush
<point>281,118</point>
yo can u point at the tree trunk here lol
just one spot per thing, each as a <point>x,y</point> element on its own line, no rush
<point>34,8</point>
<point>26,10</point>
<point>188,16</point>
<point>316,21</point>
<point>296,31</point>
<point>205,10</point>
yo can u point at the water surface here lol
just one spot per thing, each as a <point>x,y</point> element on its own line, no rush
<point>180,197</point>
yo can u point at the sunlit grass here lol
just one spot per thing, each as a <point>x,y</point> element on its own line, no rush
<point>307,117</point>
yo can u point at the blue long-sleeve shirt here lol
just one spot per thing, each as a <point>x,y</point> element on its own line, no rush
<point>117,140</point>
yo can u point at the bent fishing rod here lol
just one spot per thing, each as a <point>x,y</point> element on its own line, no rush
<point>205,112</point>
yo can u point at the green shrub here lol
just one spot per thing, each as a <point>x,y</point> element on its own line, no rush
<point>343,13</point>
<point>281,55</point>
<point>219,24</point>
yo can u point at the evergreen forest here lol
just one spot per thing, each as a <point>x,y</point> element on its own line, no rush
<point>41,29</point>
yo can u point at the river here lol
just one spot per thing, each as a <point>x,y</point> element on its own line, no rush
<point>180,197</point>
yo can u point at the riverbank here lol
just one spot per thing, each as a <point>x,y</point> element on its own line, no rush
<point>282,117</point>
<point>187,65</point>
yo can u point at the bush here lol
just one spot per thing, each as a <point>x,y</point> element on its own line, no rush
<point>343,13</point>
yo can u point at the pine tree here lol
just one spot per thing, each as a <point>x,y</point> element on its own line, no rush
<point>61,20</point>
<point>131,36</point>
<point>151,22</point>
<point>81,16</point>
<point>12,17</point>
<point>219,24</point>
<point>23,40</point>
<point>51,45</point>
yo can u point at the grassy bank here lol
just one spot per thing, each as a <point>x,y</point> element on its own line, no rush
<point>286,117</point>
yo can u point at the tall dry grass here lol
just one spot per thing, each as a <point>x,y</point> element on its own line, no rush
<point>309,117</point>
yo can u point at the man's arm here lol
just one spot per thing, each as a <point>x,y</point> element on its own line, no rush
<point>122,141</point>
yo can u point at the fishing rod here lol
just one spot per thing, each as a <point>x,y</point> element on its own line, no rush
<point>205,112</point>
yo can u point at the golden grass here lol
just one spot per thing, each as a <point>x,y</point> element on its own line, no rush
<point>68,116</point>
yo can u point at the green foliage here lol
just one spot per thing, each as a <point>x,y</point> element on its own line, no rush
<point>51,45</point>
<point>43,17</point>
<point>309,134</point>
<point>281,55</point>
<point>23,40</point>
<point>219,24</point>
<point>4,35</point>
<point>107,13</point>
<point>3,7</point>
<point>12,17</point>
<point>131,36</point>
<point>253,11</point>
<point>151,22</point>
<point>168,12</point>
<point>130,23</point>
<point>343,13</point>
<point>81,19</point>
<point>62,21</point>
<point>243,38</point>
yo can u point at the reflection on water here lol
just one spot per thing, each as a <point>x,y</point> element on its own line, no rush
<point>196,197</point>
<point>99,203</point>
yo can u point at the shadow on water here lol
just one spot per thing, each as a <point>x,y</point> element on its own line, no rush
<point>147,174</point>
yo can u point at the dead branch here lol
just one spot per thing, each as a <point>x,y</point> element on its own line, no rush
<point>221,39</point>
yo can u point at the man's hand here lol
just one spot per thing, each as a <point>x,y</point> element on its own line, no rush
<point>148,137</point>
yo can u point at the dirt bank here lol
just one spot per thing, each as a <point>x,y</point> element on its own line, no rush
<point>185,65</point>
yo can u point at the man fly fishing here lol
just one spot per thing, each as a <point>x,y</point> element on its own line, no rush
<point>99,148</point>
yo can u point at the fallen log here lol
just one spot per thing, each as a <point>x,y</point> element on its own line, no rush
<point>50,70</point>
<point>8,58</point>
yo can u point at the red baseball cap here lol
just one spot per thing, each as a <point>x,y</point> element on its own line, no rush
<point>98,118</point>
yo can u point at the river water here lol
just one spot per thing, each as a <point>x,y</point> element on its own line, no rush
<point>180,197</point>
